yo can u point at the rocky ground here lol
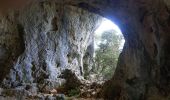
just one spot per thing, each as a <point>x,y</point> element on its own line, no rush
<point>86,91</point>
<point>75,88</point>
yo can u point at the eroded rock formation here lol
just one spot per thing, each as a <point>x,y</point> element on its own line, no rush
<point>40,41</point>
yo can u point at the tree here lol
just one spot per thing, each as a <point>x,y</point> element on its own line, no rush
<point>106,56</point>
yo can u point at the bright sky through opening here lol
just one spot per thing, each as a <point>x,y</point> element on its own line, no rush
<point>105,26</point>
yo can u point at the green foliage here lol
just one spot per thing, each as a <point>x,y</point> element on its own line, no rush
<point>106,56</point>
<point>73,92</point>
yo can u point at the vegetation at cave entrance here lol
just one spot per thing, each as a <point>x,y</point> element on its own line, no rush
<point>107,53</point>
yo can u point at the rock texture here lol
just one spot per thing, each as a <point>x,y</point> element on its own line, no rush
<point>11,43</point>
<point>40,41</point>
<point>143,68</point>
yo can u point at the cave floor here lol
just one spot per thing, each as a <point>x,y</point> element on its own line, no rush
<point>88,91</point>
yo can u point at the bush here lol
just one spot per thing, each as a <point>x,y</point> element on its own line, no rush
<point>73,92</point>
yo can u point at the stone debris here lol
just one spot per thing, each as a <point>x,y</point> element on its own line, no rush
<point>53,91</point>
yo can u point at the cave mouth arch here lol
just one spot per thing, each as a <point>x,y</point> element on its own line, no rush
<point>108,44</point>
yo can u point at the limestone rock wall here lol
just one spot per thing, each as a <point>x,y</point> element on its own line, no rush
<point>40,41</point>
<point>11,43</point>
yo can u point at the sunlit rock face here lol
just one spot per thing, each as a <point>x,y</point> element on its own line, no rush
<point>40,41</point>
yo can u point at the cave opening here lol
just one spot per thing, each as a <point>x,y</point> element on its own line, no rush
<point>108,44</point>
<point>47,56</point>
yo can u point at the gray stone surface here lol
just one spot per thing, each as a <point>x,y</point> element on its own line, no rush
<point>54,37</point>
